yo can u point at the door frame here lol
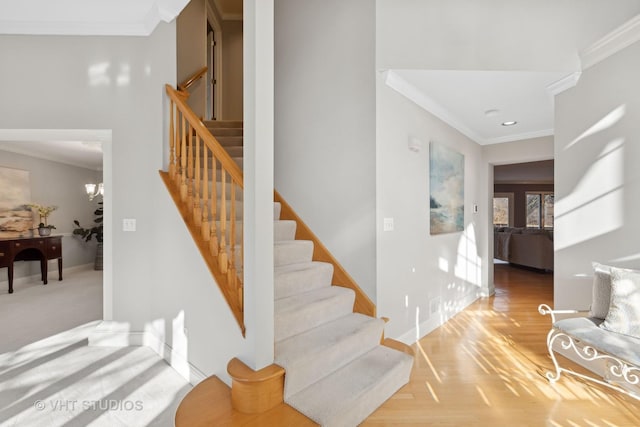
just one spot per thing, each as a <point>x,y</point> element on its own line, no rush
<point>214,21</point>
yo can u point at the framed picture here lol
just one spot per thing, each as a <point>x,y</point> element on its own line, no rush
<point>16,218</point>
<point>446,189</point>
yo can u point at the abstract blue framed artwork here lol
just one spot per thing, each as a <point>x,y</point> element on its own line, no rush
<point>446,189</point>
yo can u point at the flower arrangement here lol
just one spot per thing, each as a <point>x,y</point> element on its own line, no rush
<point>43,212</point>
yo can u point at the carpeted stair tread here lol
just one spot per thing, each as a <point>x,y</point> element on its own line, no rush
<point>238,161</point>
<point>313,354</point>
<point>349,395</point>
<point>292,252</point>
<point>218,132</point>
<point>277,207</point>
<point>223,123</point>
<point>292,279</point>
<point>227,189</point>
<point>284,230</point>
<point>230,141</point>
<point>234,151</point>
<point>298,313</point>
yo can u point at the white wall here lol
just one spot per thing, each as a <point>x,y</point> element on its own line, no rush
<point>325,125</point>
<point>117,83</point>
<point>597,179</point>
<point>62,185</point>
<point>525,150</point>
<point>423,279</point>
<point>258,59</point>
<point>493,34</point>
<point>191,39</point>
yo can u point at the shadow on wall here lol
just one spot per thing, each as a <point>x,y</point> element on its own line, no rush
<point>156,335</point>
<point>595,205</point>
<point>463,284</point>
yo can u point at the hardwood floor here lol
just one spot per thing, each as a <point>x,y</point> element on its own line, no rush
<point>485,368</point>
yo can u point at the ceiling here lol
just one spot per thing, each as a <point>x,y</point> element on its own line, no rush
<point>229,9</point>
<point>86,17</point>
<point>462,98</point>
<point>478,102</point>
<point>75,153</point>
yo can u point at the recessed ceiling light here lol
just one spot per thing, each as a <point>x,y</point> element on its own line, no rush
<point>491,113</point>
<point>509,123</point>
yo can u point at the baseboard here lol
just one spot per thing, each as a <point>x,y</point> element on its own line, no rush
<point>36,277</point>
<point>435,321</point>
<point>117,334</point>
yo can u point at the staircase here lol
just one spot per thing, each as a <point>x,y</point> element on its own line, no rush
<point>337,371</point>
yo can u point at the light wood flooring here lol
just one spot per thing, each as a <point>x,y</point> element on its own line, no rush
<point>484,367</point>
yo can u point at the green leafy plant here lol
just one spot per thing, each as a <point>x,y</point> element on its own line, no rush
<point>88,233</point>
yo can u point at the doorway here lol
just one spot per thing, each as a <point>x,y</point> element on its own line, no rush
<point>523,202</point>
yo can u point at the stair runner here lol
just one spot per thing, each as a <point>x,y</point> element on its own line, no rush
<point>337,373</point>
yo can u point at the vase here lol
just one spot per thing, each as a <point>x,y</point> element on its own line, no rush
<point>44,231</point>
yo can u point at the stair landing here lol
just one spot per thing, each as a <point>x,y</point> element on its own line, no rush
<point>209,404</point>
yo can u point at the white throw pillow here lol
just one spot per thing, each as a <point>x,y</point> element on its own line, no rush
<point>601,290</point>
<point>624,309</point>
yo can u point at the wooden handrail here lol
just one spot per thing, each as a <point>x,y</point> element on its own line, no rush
<point>196,159</point>
<point>211,141</point>
<point>192,79</point>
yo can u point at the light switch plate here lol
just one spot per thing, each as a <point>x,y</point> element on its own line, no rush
<point>129,224</point>
<point>388,224</point>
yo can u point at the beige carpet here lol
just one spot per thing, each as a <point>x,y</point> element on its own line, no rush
<point>49,376</point>
<point>35,311</point>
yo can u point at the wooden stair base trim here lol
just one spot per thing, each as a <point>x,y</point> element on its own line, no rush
<point>363,303</point>
<point>209,404</point>
<point>397,345</point>
<point>254,392</point>
<point>203,246</point>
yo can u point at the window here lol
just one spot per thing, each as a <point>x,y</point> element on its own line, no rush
<point>503,209</point>
<point>540,210</point>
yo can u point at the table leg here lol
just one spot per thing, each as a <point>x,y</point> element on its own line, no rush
<point>44,267</point>
<point>59,268</point>
<point>10,277</point>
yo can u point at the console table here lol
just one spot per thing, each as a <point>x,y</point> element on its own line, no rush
<point>31,249</point>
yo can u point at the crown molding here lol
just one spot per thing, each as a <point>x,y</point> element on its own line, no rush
<point>93,135</point>
<point>618,39</point>
<point>564,83</point>
<point>519,137</point>
<point>403,87</point>
<point>126,23</point>
<point>87,28</point>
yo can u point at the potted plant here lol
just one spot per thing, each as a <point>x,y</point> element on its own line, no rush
<point>44,229</point>
<point>96,231</point>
